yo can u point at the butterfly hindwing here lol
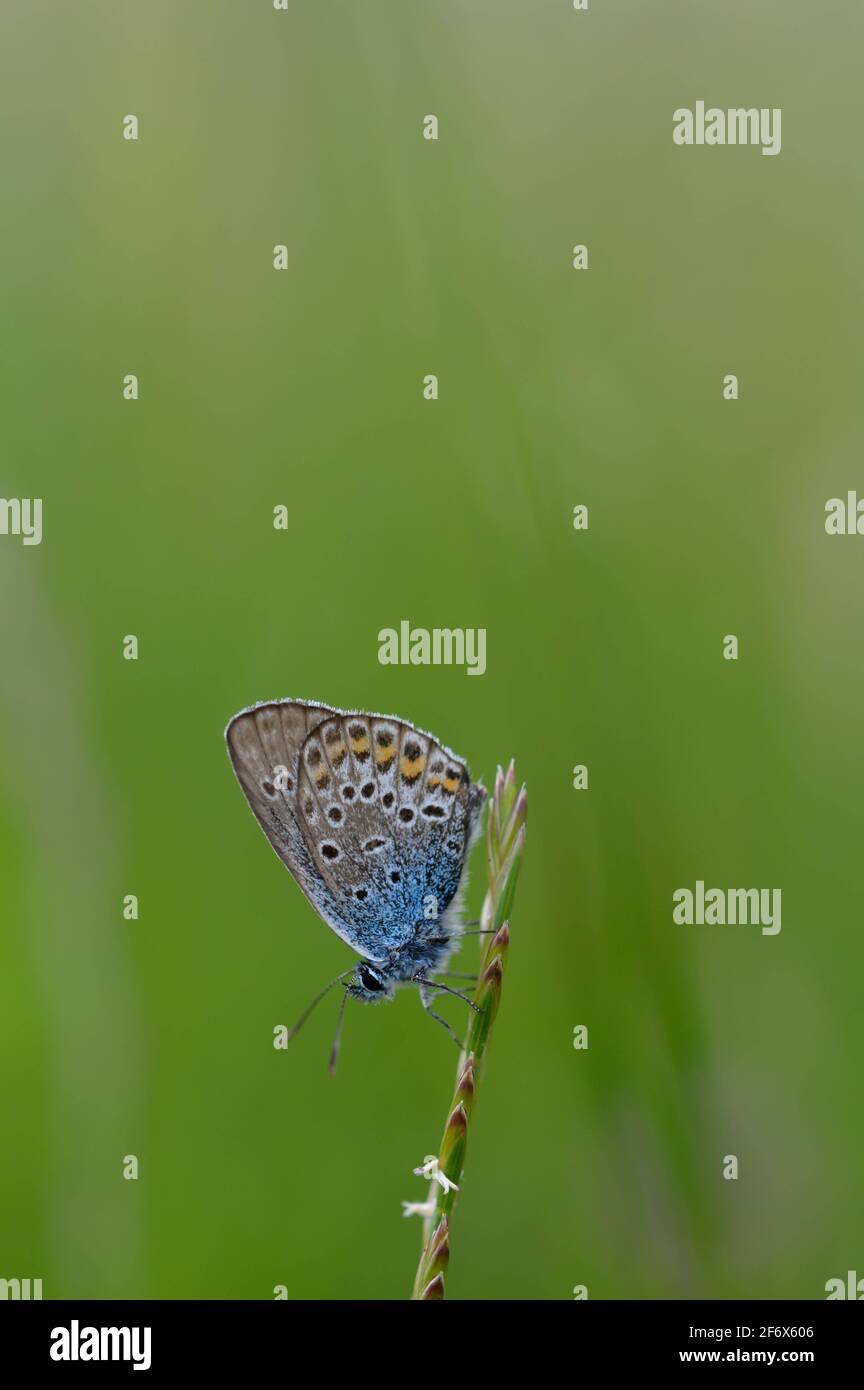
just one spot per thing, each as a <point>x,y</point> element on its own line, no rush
<point>388,813</point>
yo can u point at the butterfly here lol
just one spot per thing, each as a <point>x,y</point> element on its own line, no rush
<point>375,820</point>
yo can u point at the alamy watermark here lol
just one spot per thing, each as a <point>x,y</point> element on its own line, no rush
<point>22,516</point>
<point>720,907</point>
<point>850,1287</point>
<point>23,1289</point>
<point>437,646</point>
<point>737,126</point>
<point>76,1343</point>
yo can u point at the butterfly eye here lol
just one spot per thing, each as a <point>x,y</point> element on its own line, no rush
<point>369,979</point>
<point>330,851</point>
<point>406,815</point>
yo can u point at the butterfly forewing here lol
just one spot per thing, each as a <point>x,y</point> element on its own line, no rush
<point>264,744</point>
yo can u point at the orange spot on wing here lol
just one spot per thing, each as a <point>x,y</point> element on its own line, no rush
<point>412,767</point>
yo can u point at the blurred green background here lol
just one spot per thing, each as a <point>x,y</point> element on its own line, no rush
<point>407,257</point>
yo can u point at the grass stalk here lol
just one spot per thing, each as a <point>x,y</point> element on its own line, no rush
<point>505,841</point>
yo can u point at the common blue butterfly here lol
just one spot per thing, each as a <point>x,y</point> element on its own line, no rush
<point>374,819</point>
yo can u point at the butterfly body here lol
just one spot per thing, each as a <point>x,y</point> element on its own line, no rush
<point>415,963</point>
<point>374,819</point>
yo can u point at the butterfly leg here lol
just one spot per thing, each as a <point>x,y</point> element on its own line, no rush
<point>445,989</point>
<point>427,1005</point>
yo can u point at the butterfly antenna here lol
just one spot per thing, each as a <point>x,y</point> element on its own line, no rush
<point>317,1000</point>
<point>334,1051</point>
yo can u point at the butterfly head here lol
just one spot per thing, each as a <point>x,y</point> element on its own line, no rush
<point>371,984</point>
